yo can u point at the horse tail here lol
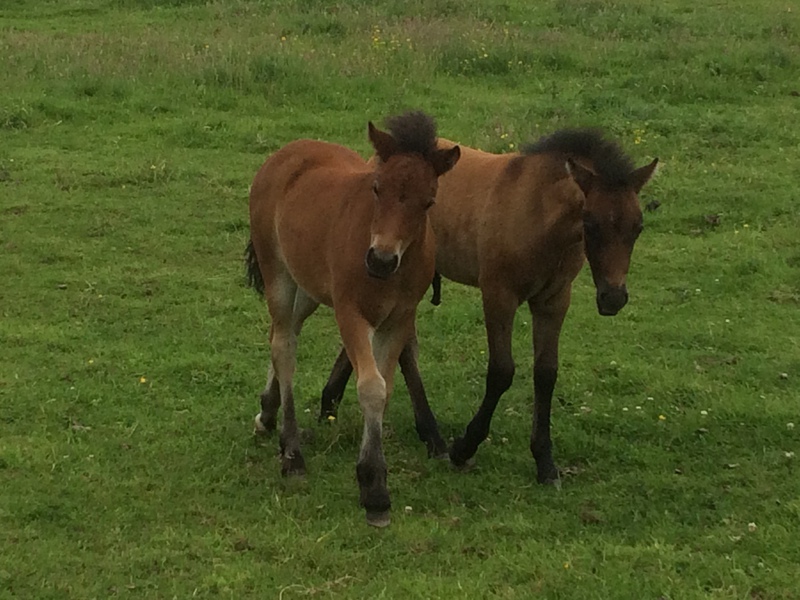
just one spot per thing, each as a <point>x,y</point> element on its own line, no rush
<point>436,299</point>
<point>254,277</point>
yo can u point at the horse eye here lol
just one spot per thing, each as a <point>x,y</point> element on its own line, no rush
<point>375,188</point>
<point>430,203</point>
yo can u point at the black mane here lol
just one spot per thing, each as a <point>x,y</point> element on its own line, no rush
<point>414,132</point>
<point>609,160</point>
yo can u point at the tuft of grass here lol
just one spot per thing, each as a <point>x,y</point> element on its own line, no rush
<point>16,118</point>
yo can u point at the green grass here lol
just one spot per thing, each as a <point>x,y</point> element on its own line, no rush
<point>131,355</point>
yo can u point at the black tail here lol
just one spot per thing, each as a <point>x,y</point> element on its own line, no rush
<point>254,278</point>
<point>436,299</point>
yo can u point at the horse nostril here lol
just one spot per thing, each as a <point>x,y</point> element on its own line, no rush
<point>381,265</point>
<point>611,300</point>
<point>616,295</point>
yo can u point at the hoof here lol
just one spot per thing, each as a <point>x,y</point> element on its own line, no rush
<point>378,519</point>
<point>293,465</point>
<point>437,450</point>
<point>261,428</point>
<point>459,455</point>
<point>549,479</point>
<point>327,417</point>
<point>327,414</point>
<point>547,474</point>
<point>465,467</point>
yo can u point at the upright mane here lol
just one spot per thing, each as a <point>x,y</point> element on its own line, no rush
<point>414,132</point>
<point>609,160</point>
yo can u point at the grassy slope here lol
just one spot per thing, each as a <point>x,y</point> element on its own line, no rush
<point>131,357</point>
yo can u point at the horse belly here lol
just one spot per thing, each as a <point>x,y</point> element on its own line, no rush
<point>302,230</point>
<point>456,265</point>
<point>311,276</point>
<point>458,215</point>
<point>456,243</point>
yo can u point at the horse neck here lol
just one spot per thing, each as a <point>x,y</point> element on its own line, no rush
<point>423,240</point>
<point>417,266</point>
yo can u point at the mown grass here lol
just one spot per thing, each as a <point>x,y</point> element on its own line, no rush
<point>131,355</point>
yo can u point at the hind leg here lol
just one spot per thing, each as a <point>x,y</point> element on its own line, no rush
<point>424,420</point>
<point>266,421</point>
<point>289,307</point>
<point>333,392</point>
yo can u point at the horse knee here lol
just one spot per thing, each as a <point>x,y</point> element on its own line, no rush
<point>372,394</point>
<point>282,351</point>
<point>544,379</point>
<point>499,377</point>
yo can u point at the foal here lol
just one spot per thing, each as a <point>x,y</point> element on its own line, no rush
<point>328,228</point>
<point>519,227</point>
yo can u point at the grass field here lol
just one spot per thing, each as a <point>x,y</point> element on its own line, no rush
<point>132,355</point>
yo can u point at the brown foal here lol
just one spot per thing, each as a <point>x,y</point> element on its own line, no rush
<point>326,227</point>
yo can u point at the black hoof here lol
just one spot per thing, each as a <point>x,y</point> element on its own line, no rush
<point>264,425</point>
<point>460,453</point>
<point>327,416</point>
<point>437,449</point>
<point>439,454</point>
<point>378,519</point>
<point>293,465</point>
<point>548,475</point>
<point>464,468</point>
<point>376,502</point>
<point>373,493</point>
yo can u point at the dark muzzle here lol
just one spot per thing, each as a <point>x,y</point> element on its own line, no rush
<point>381,264</point>
<point>610,300</point>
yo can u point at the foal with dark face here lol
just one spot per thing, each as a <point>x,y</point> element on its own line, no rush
<point>519,227</point>
<point>328,228</point>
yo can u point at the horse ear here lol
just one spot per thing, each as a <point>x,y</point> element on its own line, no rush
<point>444,160</point>
<point>583,177</point>
<point>642,175</point>
<point>383,143</point>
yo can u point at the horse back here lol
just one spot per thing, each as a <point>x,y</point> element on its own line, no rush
<point>508,217</point>
<point>297,199</point>
<point>296,160</point>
